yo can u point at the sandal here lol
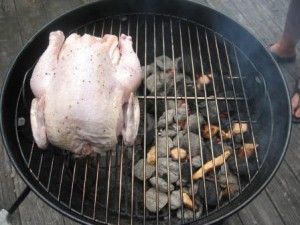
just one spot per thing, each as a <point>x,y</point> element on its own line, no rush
<point>281,59</point>
<point>296,107</point>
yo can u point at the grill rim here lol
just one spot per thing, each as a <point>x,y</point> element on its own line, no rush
<point>28,177</point>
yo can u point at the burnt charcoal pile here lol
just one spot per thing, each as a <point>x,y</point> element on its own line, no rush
<point>203,151</point>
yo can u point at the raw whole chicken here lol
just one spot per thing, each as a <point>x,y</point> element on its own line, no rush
<point>83,88</point>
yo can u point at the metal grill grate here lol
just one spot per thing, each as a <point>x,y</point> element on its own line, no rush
<point>104,188</point>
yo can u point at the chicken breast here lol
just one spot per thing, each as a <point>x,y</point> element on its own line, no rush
<point>83,88</point>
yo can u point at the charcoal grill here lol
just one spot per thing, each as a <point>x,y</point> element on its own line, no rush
<point>103,189</point>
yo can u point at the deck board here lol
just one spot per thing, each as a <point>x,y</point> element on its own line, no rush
<point>7,188</point>
<point>57,8</point>
<point>10,39</point>
<point>260,211</point>
<point>233,220</point>
<point>283,193</point>
<point>278,204</point>
<point>10,44</point>
<point>42,213</point>
<point>31,16</point>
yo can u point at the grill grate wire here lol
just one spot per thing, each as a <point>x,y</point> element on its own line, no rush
<point>67,174</point>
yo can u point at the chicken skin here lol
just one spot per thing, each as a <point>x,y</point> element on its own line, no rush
<point>83,88</point>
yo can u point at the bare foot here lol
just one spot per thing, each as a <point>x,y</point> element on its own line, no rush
<point>295,102</point>
<point>283,49</point>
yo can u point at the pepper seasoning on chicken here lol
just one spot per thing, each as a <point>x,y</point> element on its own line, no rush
<point>83,88</point>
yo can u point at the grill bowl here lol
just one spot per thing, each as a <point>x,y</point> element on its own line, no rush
<point>273,113</point>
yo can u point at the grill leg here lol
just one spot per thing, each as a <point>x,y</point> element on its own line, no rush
<point>19,200</point>
<point>5,213</point>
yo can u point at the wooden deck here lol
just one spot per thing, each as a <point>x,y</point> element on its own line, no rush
<point>278,204</point>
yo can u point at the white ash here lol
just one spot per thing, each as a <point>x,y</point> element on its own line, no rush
<point>151,83</point>
<point>193,122</point>
<point>162,144</point>
<point>233,186</point>
<point>181,114</point>
<point>188,214</point>
<point>173,126</point>
<point>183,182</point>
<point>176,60</point>
<point>222,168</point>
<point>211,107</point>
<point>162,120</point>
<point>161,184</point>
<point>139,170</point>
<point>171,133</point>
<point>164,62</point>
<point>179,137</point>
<point>232,179</point>
<point>175,200</point>
<point>195,186</point>
<point>151,200</point>
<point>163,170</point>
<point>179,77</point>
<point>184,142</point>
<point>171,104</point>
<point>196,161</point>
<point>150,69</point>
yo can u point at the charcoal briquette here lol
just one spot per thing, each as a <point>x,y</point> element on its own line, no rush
<point>211,194</point>
<point>238,138</point>
<point>193,140</point>
<point>242,166</point>
<point>161,184</point>
<point>193,122</point>
<point>196,161</point>
<point>139,170</point>
<point>173,171</point>
<point>186,171</point>
<point>171,133</point>
<point>195,187</point>
<point>162,144</point>
<point>188,214</point>
<point>151,200</point>
<point>181,114</point>
<point>162,120</point>
<point>175,199</point>
<point>248,137</point>
<point>150,69</point>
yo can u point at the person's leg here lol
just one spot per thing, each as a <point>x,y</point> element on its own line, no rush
<point>285,47</point>
<point>295,102</point>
